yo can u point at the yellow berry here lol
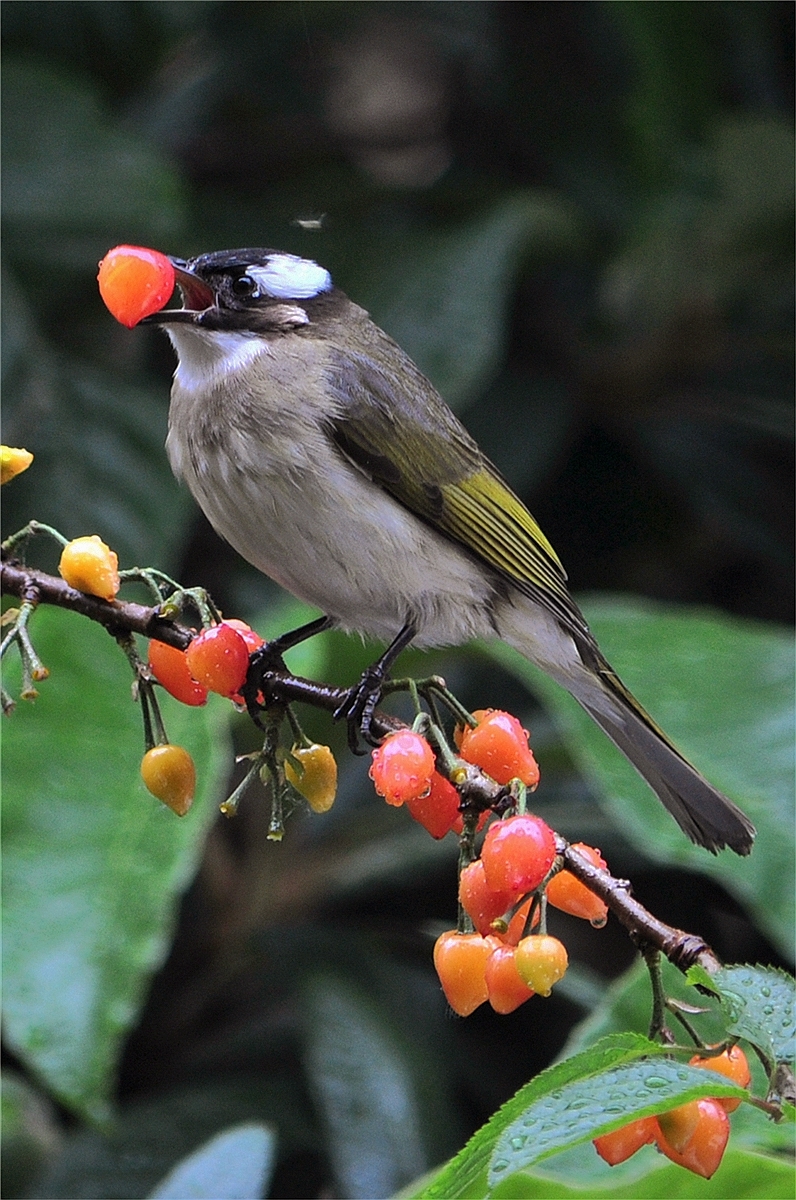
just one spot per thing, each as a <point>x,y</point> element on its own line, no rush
<point>317,781</point>
<point>168,773</point>
<point>541,961</point>
<point>13,462</point>
<point>88,565</point>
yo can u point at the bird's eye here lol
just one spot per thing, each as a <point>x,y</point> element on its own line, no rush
<point>244,286</point>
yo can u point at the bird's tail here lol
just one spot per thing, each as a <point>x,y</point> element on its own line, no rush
<point>701,811</point>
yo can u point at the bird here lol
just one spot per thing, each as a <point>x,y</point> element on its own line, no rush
<point>317,448</point>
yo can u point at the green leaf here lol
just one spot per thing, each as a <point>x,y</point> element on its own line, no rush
<point>234,1165</point>
<point>722,688</point>
<point>741,1174</point>
<point>758,1004</point>
<point>586,1108</point>
<point>466,1174</point>
<point>627,1006</point>
<point>364,1088</point>
<point>94,865</point>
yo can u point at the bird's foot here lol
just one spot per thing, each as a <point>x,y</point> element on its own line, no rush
<point>262,663</point>
<point>358,707</point>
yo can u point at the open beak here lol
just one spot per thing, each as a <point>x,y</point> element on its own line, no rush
<point>197,297</point>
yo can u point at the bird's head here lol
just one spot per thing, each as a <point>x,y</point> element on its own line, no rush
<point>251,290</point>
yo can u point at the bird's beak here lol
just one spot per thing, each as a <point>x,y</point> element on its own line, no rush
<point>197,297</point>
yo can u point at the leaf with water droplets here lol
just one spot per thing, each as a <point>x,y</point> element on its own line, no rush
<point>587,1108</point>
<point>758,1003</point>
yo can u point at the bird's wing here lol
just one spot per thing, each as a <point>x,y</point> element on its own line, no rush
<point>411,444</point>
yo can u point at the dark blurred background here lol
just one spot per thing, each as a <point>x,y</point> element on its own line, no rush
<point>578,218</point>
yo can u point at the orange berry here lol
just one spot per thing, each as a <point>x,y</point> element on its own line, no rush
<point>460,961</point>
<point>135,282</point>
<point>623,1143</point>
<point>481,903</point>
<point>170,668</point>
<point>734,1065</point>
<point>168,773</point>
<point>317,782</point>
<point>506,987</point>
<point>88,565</point>
<point>678,1124</point>
<point>499,745</point>
<point>566,892</point>
<point>702,1150</point>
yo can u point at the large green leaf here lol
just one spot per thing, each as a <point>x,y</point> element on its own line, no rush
<point>722,688</point>
<point>93,865</point>
<point>466,1174</point>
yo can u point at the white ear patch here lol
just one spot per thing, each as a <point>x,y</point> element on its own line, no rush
<point>287,277</point>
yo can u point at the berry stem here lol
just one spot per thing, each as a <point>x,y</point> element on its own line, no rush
<point>22,536</point>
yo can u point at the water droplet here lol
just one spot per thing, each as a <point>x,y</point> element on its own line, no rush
<point>598,922</point>
<point>765,991</point>
<point>500,1165</point>
<point>655,1081</point>
<point>517,1143</point>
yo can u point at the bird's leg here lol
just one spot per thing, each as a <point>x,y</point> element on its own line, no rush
<point>361,700</point>
<point>269,658</point>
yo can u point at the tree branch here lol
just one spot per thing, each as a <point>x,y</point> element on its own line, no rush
<point>478,791</point>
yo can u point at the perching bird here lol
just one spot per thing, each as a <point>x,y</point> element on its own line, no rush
<point>316,447</point>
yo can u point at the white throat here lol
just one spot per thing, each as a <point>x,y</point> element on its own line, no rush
<point>207,357</point>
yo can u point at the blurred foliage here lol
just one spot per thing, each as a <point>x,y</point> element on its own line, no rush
<point>579,220</point>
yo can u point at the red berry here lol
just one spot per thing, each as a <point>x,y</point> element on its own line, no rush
<point>517,853</point>
<point>170,668</point>
<point>734,1065</point>
<point>623,1143</point>
<point>507,989</point>
<point>566,892</point>
<point>541,961</point>
<point>438,810</point>
<point>253,642</point>
<point>168,773</point>
<point>482,904</point>
<point>499,746</point>
<point>218,658</point>
<point>695,1136</point>
<point>250,636</point>
<point>135,282</point>
<point>460,962</point>
<point>402,767</point>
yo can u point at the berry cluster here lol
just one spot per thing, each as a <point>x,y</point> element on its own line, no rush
<point>503,961</point>
<point>694,1135</point>
<point>403,769</point>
